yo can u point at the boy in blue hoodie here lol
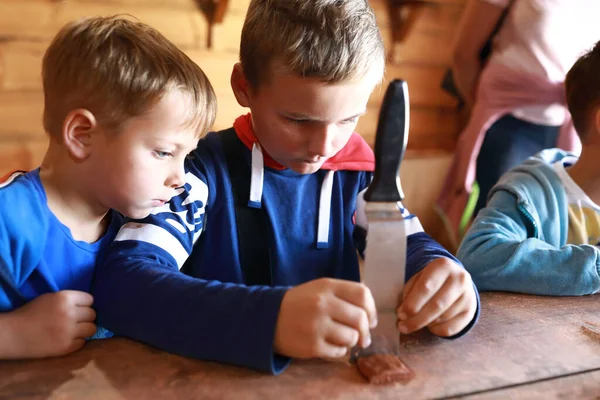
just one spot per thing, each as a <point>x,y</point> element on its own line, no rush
<point>265,227</point>
<point>540,231</point>
<point>120,124</point>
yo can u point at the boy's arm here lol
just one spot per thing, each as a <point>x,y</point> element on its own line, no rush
<point>500,254</point>
<point>140,293</point>
<point>139,296</point>
<point>50,325</point>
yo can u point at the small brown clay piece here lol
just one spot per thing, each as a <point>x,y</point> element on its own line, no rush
<point>381,369</point>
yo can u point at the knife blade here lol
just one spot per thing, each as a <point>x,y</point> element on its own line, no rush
<point>385,255</point>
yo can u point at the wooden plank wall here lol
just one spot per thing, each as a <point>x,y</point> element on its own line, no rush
<point>421,58</point>
<point>26,28</point>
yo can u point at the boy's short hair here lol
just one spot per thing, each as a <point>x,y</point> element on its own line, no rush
<point>582,86</point>
<point>332,40</point>
<point>117,69</point>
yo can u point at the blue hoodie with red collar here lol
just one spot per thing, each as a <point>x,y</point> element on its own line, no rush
<point>209,313</point>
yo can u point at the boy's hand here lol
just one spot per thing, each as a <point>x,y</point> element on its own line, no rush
<point>323,318</point>
<point>440,297</point>
<point>52,324</point>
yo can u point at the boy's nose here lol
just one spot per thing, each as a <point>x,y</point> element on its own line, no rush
<point>177,177</point>
<point>322,143</point>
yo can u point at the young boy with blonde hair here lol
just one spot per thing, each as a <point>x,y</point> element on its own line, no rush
<point>265,228</point>
<point>123,107</point>
<point>540,231</point>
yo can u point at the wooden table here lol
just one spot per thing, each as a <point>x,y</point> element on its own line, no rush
<point>523,346</point>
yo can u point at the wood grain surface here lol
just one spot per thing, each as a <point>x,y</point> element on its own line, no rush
<point>529,345</point>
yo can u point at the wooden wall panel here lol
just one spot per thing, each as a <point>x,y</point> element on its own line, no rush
<point>431,129</point>
<point>21,65</point>
<point>29,19</point>
<point>421,59</point>
<point>39,20</point>
<point>171,4</point>
<point>423,85</point>
<point>227,34</point>
<point>16,154</point>
<point>21,116</point>
<point>431,38</point>
<point>184,27</point>
<point>27,26</point>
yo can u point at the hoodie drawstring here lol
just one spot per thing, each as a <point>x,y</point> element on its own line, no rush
<point>257,178</point>
<point>325,211</point>
<point>256,189</point>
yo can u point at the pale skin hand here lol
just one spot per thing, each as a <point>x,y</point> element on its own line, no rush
<point>440,297</point>
<point>324,318</point>
<point>52,324</point>
<point>476,26</point>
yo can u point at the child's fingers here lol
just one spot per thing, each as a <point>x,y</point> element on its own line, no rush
<point>452,326</point>
<point>341,335</point>
<point>353,317</point>
<point>428,284</point>
<point>456,308</point>
<point>462,304</point>
<point>329,350</point>
<point>85,314</point>
<point>359,295</point>
<point>433,309</point>
<point>85,329</point>
<point>78,298</point>
<point>408,286</point>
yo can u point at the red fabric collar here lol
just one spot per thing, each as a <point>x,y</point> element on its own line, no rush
<point>357,155</point>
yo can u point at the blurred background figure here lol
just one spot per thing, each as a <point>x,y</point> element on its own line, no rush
<point>515,97</point>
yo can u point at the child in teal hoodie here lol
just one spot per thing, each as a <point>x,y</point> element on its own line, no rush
<point>540,231</point>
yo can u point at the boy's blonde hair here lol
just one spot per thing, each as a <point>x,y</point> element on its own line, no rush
<point>332,40</point>
<point>117,69</point>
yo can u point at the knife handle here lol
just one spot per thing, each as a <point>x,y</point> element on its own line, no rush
<point>390,144</point>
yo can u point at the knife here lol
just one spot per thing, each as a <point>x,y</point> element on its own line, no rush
<point>385,255</point>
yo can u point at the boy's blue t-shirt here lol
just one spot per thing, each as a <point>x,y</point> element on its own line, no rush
<point>38,254</point>
<point>211,314</point>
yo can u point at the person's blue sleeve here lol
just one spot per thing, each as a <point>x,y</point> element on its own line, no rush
<point>140,293</point>
<point>508,249</point>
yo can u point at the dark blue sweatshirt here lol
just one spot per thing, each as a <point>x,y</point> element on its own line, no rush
<point>209,313</point>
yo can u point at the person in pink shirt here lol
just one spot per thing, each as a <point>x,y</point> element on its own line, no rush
<point>517,98</point>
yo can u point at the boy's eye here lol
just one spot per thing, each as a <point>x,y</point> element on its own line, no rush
<point>297,120</point>
<point>162,154</point>
<point>350,121</point>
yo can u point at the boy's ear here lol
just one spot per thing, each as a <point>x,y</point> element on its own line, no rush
<point>77,130</point>
<point>240,85</point>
